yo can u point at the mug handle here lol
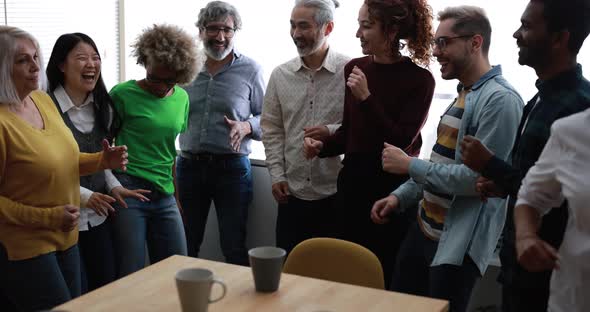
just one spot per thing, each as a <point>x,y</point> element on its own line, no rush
<point>222,284</point>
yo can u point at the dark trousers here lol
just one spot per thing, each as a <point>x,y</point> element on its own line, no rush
<point>299,219</point>
<point>523,290</point>
<point>361,182</point>
<point>414,275</point>
<point>97,256</point>
<point>42,282</point>
<point>515,299</point>
<point>227,181</point>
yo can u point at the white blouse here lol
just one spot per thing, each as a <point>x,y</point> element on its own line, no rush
<point>83,119</point>
<point>563,173</point>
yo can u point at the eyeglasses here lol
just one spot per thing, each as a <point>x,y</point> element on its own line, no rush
<point>442,42</point>
<point>168,82</point>
<point>213,31</point>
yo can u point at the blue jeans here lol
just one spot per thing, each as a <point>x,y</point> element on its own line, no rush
<point>228,183</point>
<point>157,222</point>
<point>42,282</point>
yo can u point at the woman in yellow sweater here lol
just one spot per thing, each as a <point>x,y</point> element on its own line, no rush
<point>40,166</point>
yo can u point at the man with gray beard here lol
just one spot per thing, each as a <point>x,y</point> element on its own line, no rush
<point>225,107</point>
<point>304,98</point>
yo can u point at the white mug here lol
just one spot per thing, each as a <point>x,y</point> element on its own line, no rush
<point>194,289</point>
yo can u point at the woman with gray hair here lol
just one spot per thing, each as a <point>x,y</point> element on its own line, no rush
<point>40,166</point>
<point>152,112</point>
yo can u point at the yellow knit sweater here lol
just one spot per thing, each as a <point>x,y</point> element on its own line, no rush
<point>39,173</point>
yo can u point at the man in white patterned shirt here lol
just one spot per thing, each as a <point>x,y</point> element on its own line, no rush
<point>304,98</point>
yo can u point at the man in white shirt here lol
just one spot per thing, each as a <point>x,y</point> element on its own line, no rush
<point>304,98</point>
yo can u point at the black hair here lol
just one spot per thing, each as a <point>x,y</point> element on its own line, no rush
<point>103,104</point>
<point>568,15</point>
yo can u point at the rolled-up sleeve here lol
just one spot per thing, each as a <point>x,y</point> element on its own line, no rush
<point>540,188</point>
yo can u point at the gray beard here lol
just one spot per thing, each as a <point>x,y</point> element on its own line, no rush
<point>218,56</point>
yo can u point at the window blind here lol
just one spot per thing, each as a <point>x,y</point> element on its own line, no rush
<point>47,20</point>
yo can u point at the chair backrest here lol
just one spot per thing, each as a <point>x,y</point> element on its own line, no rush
<point>335,260</point>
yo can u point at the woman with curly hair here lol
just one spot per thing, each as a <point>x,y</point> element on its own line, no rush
<point>152,112</point>
<point>386,102</point>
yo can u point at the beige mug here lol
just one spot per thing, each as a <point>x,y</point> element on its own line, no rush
<point>194,289</point>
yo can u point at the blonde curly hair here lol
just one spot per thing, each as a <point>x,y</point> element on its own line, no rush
<point>170,46</point>
<point>413,21</point>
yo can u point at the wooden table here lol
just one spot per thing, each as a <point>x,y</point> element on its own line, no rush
<point>154,289</point>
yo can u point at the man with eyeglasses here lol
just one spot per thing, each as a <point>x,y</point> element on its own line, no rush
<point>454,238</point>
<point>304,98</point>
<point>225,107</point>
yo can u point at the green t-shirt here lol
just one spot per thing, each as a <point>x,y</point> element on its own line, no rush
<point>149,126</point>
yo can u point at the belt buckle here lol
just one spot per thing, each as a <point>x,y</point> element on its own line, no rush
<point>206,157</point>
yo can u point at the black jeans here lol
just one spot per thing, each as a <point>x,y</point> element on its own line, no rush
<point>97,256</point>
<point>299,219</point>
<point>515,299</point>
<point>414,275</point>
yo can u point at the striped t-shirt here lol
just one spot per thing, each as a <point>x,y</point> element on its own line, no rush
<point>434,205</point>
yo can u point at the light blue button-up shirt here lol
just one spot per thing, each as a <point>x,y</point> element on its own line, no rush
<point>235,91</point>
<point>492,113</point>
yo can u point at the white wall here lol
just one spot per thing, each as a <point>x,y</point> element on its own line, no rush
<point>265,37</point>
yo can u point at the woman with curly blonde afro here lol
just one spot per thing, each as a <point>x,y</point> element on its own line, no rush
<point>387,98</point>
<point>152,112</point>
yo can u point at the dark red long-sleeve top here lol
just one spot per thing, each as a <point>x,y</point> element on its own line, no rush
<point>394,113</point>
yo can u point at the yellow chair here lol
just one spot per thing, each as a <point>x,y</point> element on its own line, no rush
<point>335,260</point>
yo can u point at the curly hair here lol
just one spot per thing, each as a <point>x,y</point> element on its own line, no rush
<point>412,19</point>
<point>170,46</point>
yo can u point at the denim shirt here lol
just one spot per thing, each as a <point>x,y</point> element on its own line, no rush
<point>235,91</point>
<point>492,113</point>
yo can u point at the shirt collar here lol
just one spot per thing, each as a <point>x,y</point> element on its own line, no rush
<point>329,63</point>
<point>560,81</point>
<point>495,71</point>
<point>234,59</point>
<point>64,101</point>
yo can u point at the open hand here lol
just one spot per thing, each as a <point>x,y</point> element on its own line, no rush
<point>120,193</point>
<point>237,131</point>
<point>101,204</point>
